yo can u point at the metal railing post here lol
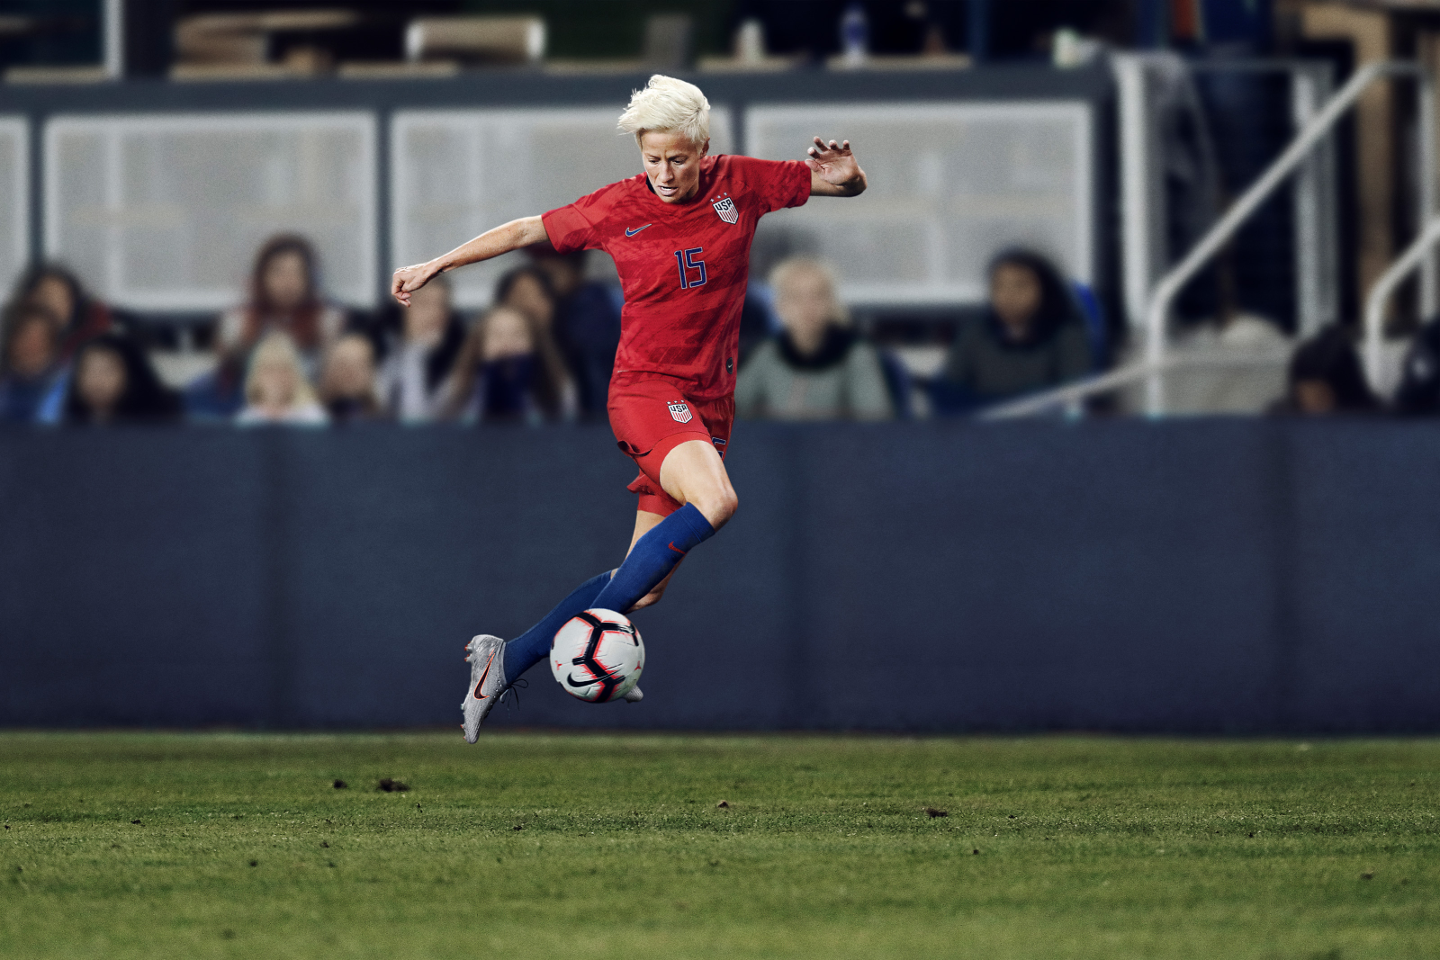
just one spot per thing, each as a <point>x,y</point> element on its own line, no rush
<point>1416,255</point>
<point>1314,232</point>
<point>1429,278</point>
<point>1154,358</point>
<point>1142,212</point>
<point>1170,286</point>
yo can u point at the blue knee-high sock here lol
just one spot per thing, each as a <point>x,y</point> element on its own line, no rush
<point>533,645</point>
<point>653,557</point>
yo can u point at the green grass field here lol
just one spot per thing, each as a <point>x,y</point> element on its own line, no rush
<point>577,846</point>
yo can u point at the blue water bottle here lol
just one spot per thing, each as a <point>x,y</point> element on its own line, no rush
<point>855,35</point>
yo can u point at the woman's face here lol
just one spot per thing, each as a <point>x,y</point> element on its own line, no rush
<point>286,281</point>
<point>507,335</point>
<point>1314,397</point>
<point>806,305</point>
<point>100,380</point>
<point>526,294</point>
<point>32,349</point>
<point>350,369</point>
<point>672,162</point>
<point>53,294</point>
<point>275,383</point>
<point>426,316</point>
<point>1015,295</point>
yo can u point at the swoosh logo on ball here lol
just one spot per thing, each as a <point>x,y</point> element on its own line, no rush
<point>570,679</point>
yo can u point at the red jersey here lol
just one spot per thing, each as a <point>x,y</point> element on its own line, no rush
<point>683,266</point>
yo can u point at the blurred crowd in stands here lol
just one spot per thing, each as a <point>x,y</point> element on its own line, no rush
<point>543,350</point>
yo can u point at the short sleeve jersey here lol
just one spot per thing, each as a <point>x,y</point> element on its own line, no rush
<point>683,267</point>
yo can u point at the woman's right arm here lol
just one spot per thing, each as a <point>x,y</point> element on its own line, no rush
<point>491,243</point>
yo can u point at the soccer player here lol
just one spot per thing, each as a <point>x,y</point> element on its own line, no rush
<point>680,236</point>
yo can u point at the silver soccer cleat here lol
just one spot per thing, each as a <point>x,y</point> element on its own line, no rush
<point>484,653</point>
<point>634,696</point>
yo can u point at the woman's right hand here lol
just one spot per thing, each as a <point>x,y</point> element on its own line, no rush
<point>409,279</point>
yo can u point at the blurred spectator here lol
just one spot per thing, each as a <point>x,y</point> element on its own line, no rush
<point>113,382</point>
<point>587,324</point>
<point>1228,388</point>
<point>1032,336</point>
<point>57,290</point>
<point>29,361</point>
<point>285,297</point>
<point>347,382</point>
<point>500,377</point>
<point>817,368</point>
<point>527,289</point>
<point>1326,378</point>
<point>421,354</point>
<point>1419,390</point>
<point>276,387</point>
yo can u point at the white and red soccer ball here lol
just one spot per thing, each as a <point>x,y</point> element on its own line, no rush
<point>597,656</point>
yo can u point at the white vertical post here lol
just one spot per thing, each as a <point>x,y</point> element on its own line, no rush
<point>114,38</point>
<point>1429,288</point>
<point>1142,207</point>
<point>1304,102</point>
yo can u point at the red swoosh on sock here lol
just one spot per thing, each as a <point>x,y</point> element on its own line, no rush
<point>672,546</point>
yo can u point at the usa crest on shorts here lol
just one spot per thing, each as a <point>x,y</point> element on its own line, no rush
<point>680,411</point>
<point>727,209</point>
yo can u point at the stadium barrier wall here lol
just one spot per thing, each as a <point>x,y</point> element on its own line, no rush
<point>1207,576</point>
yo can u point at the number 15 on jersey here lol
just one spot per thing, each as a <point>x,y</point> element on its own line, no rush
<point>688,265</point>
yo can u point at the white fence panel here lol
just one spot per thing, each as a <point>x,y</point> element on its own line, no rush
<point>166,211</point>
<point>951,184</point>
<point>14,199</point>
<point>457,173</point>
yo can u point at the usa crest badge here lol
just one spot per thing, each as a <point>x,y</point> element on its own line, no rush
<point>727,209</point>
<point>680,411</point>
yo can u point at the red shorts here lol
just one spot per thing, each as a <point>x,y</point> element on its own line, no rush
<point>652,417</point>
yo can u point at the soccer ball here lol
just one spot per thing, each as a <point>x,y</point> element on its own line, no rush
<point>597,656</point>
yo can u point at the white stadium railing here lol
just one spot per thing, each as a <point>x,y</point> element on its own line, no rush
<point>14,198</point>
<point>1155,358</point>
<point>1147,83</point>
<point>1408,262</point>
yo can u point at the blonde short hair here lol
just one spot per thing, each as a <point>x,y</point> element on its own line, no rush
<point>787,270</point>
<point>668,105</point>
<point>278,348</point>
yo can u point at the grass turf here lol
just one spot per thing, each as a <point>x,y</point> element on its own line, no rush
<point>582,846</point>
